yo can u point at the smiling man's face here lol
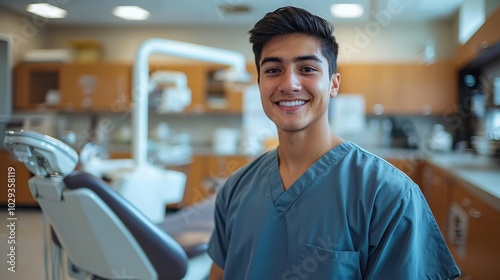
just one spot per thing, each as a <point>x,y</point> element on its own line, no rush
<point>294,84</point>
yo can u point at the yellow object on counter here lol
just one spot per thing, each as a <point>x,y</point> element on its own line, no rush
<point>86,51</point>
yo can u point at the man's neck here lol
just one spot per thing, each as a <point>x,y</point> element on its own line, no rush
<point>298,151</point>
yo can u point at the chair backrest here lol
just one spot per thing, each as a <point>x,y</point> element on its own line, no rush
<point>105,235</point>
<point>165,254</point>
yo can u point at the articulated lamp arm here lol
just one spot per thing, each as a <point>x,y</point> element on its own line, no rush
<point>237,72</point>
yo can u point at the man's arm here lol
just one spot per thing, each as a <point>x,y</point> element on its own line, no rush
<point>216,272</point>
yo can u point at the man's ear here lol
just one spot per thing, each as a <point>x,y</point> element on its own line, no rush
<point>334,85</point>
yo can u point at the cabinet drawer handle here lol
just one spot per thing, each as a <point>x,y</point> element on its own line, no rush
<point>474,213</point>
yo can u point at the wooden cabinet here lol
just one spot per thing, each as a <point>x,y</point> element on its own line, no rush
<point>209,172</point>
<point>486,36</point>
<point>81,87</point>
<point>436,187</point>
<point>477,248</point>
<point>107,87</point>
<point>470,227</point>
<point>95,86</point>
<point>21,175</point>
<point>403,88</point>
<point>430,87</point>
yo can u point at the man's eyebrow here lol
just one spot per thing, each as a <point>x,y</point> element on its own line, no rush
<point>296,59</point>
<point>271,59</point>
<point>307,57</point>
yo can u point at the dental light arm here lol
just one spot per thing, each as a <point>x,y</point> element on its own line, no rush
<point>43,155</point>
<point>237,72</point>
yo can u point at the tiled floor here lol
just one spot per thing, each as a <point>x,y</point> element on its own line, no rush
<point>28,236</point>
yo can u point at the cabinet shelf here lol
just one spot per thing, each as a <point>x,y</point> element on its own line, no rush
<point>80,87</point>
<point>32,83</point>
<point>107,87</point>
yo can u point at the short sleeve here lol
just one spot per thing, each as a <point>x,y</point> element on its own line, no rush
<point>217,246</point>
<point>407,243</point>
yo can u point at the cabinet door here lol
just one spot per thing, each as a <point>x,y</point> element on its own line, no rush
<point>209,172</point>
<point>98,87</point>
<point>21,175</point>
<point>482,245</point>
<point>429,88</point>
<point>486,35</point>
<point>436,187</point>
<point>361,79</point>
<point>195,190</point>
<point>402,88</point>
<point>223,166</point>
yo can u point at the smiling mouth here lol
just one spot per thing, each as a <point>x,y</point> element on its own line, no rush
<point>291,103</point>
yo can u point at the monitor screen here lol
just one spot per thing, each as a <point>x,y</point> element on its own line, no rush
<point>5,77</point>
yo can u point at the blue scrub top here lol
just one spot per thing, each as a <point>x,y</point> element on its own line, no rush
<point>351,215</point>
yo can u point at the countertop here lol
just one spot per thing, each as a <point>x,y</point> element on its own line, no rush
<point>480,174</point>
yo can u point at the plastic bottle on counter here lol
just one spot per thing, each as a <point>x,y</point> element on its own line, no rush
<point>441,139</point>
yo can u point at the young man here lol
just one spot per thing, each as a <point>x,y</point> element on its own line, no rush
<point>318,207</point>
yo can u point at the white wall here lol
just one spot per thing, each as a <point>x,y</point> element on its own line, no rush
<point>395,42</point>
<point>120,43</point>
<point>27,31</point>
<point>371,42</point>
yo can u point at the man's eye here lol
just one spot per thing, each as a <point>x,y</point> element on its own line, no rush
<point>308,69</point>
<point>271,71</point>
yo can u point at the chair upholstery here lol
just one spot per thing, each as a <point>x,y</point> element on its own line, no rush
<point>192,226</point>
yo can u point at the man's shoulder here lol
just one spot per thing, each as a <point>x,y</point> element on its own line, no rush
<point>248,174</point>
<point>377,173</point>
<point>364,158</point>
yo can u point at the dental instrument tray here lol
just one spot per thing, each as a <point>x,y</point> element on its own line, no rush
<point>42,154</point>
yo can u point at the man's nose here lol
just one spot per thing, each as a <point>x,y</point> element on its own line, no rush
<point>290,82</point>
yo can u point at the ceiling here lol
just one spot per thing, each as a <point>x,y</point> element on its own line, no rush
<point>209,12</point>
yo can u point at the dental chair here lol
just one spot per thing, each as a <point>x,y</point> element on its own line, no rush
<point>101,233</point>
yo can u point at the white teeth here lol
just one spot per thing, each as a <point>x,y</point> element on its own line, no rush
<point>291,103</point>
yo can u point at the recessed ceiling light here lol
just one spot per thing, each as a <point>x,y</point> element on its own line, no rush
<point>235,8</point>
<point>46,10</point>
<point>131,12</point>
<point>346,10</point>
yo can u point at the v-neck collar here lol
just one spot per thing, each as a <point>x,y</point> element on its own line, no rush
<point>282,199</point>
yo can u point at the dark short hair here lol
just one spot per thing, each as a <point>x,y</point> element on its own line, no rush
<point>288,20</point>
